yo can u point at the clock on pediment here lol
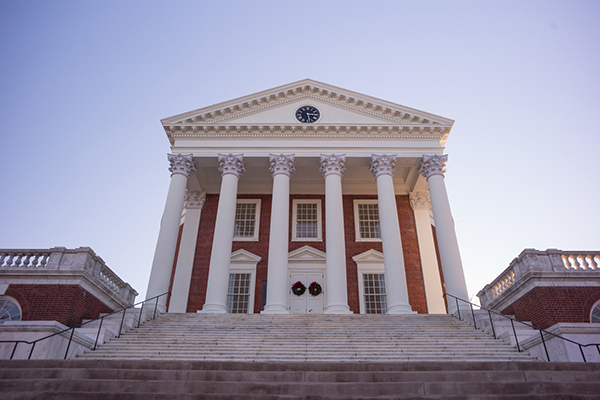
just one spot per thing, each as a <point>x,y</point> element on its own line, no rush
<point>308,114</point>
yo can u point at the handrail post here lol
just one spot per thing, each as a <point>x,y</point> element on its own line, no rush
<point>140,317</point>
<point>98,335</point>
<point>31,351</point>
<point>492,324</point>
<point>458,308</point>
<point>122,319</point>
<point>544,343</point>
<point>155,307</point>
<point>582,355</point>
<point>473,314</point>
<point>515,332</point>
<point>69,345</point>
<point>14,349</point>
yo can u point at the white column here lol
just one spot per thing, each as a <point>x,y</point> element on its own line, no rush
<point>181,167</point>
<point>382,168</point>
<point>433,168</point>
<point>282,168</point>
<point>231,168</point>
<point>336,292</point>
<point>421,205</point>
<point>187,251</point>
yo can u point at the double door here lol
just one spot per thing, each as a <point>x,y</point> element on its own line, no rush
<point>307,303</point>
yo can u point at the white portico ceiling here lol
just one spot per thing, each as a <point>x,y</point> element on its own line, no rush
<point>270,114</point>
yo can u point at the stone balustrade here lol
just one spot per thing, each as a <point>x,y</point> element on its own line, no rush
<point>542,262</point>
<point>60,263</point>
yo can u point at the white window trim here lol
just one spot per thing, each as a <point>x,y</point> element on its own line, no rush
<point>356,221</point>
<point>13,300</point>
<point>319,237</point>
<point>254,238</point>
<point>244,262</point>
<point>369,262</point>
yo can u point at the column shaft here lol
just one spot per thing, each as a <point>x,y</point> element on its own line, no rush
<point>218,272</point>
<point>433,168</point>
<point>336,293</point>
<point>187,251</point>
<point>164,255</point>
<point>454,276</point>
<point>393,257</point>
<point>429,263</point>
<point>277,285</point>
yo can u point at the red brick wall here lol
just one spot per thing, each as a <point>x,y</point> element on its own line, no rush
<point>67,304</point>
<point>416,290</point>
<point>546,306</point>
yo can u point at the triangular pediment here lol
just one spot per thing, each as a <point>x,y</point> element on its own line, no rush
<point>244,256</point>
<point>368,256</point>
<point>275,109</point>
<point>307,253</point>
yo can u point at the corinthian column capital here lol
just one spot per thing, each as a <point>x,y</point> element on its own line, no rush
<point>181,164</point>
<point>281,164</point>
<point>433,165</point>
<point>195,199</point>
<point>420,200</point>
<point>231,164</point>
<point>383,164</point>
<point>333,164</point>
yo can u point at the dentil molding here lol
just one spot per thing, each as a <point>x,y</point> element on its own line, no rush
<point>433,165</point>
<point>195,199</point>
<point>281,164</point>
<point>383,164</point>
<point>181,164</point>
<point>231,164</point>
<point>333,164</point>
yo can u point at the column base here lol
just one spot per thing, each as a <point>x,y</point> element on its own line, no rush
<point>213,309</point>
<point>338,309</point>
<point>275,309</point>
<point>400,309</point>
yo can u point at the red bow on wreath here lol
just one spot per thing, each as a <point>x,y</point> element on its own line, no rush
<point>315,289</point>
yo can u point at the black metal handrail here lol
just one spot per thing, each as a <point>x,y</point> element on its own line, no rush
<point>72,329</point>
<point>512,322</point>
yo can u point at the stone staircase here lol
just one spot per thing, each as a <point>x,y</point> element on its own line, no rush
<point>306,357</point>
<point>312,338</point>
<point>219,380</point>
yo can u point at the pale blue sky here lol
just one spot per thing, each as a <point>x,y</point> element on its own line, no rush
<point>84,84</point>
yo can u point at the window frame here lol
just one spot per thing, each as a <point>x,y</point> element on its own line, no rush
<point>254,237</point>
<point>244,262</point>
<point>14,301</point>
<point>295,203</point>
<point>357,234</point>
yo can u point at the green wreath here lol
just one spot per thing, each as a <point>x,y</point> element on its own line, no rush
<point>315,289</point>
<point>298,288</point>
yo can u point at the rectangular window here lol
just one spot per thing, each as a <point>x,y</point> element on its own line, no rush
<point>374,293</point>
<point>366,216</point>
<point>238,293</point>
<point>247,214</point>
<point>306,217</point>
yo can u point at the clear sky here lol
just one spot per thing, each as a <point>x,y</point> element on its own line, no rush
<point>84,84</point>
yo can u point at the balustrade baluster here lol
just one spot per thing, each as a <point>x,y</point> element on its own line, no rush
<point>576,264</point>
<point>593,263</point>
<point>584,262</point>
<point>566,261</point>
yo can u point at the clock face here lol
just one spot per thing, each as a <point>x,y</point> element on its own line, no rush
<point>308,114</point>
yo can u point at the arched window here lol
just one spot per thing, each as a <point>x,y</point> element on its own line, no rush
<point>595,314</point>
<point>10,310</point>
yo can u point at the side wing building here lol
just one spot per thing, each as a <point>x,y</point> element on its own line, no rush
<point>307,198</point>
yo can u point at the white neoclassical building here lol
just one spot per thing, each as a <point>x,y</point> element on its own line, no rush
<point>307,198</point>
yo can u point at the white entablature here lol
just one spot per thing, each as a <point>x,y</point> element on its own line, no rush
<point>271,114</point>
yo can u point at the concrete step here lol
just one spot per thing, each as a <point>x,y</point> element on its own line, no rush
<point>96,379</point>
